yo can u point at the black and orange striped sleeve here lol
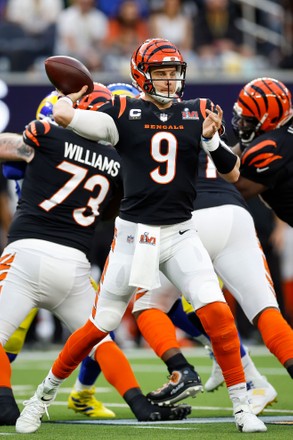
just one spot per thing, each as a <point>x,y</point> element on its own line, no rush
<point>33,130</point>
<point>116,107</point>
<point>262,162</point>
<point>261,155</point>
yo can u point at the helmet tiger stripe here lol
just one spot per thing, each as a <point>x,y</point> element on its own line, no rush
<point>94,100</point>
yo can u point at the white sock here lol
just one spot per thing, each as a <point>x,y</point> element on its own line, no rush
<point>238,394</point>
<point>250,369</point>
<point>51,381</point>
<point>78,386</point>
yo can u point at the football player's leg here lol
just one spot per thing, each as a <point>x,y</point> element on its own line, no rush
<point>106,356</point>
<point>88,373</point>
<point>125,383</point>
<point>15,343</point>
<point>82,397</point>
<point>110,304</point>
<point>254,293</point>
<point>106,315</point>
<point>236,254</point>
<point>109,356</point>
<point>73,311</point>
<point>261,392</point>
<point>277,336</point>
<point>150,310</point>
<point>189,268</point>
<point>13,291</point>
<point>191,325</point>
<point>181,319</point>
<point>159,331</point>
<point>75,283</point>
<point>192,272</point>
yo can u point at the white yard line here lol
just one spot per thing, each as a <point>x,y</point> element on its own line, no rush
<point>137,353</point>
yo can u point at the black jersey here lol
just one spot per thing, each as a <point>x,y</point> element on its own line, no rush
<point>67,186</point>
<point>269,161</point>
<point>159,153</point>
<point>212,190</point>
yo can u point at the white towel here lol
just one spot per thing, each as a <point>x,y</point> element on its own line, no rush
<point>145,265</point>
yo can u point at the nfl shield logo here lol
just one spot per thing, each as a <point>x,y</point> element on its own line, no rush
<point>130,239</point>
<point>163,117</point>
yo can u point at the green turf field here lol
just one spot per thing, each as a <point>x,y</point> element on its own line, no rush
<point>211,417</point>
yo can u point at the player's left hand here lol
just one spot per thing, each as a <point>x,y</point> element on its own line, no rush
<point>212,122</point>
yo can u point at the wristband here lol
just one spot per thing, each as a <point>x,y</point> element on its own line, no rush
<point>224,159</point>
<point>66,99</point>
<point>211,144</point>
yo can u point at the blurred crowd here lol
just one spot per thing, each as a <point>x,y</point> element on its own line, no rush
<point>228,36</point>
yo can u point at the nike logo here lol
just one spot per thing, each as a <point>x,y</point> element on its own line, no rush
<point>45,400</point>
<point>183,232</point>
<point>260,170</point>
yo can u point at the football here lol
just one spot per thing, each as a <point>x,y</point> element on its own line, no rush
<point>68,74</point>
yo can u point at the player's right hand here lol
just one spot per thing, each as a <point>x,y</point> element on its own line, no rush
<point>76,95</point>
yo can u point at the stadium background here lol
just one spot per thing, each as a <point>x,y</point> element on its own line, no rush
<point>23,98</point>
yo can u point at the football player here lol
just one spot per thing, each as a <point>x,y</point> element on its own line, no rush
<point>262,121</point>
<point>227,230</point>
<point>261,393</point>
<point>82,397</point>
<point>49,240</point>
<point>159,142</point>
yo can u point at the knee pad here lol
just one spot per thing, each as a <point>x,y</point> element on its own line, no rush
<point>108,319</point>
